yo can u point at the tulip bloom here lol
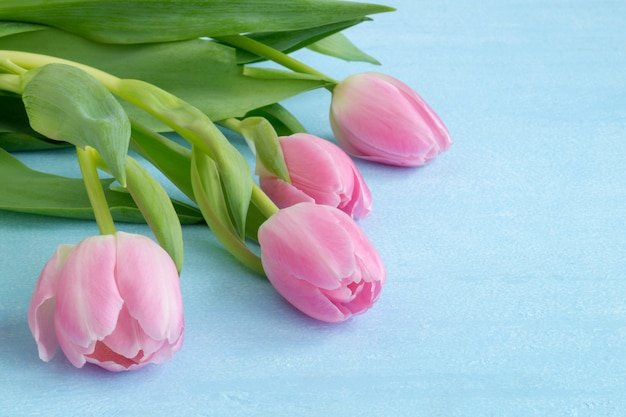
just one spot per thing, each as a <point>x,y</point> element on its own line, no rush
<point>379,118</point>
<point>319,259</point>
<point>321,173</point>
<point>111,300</point>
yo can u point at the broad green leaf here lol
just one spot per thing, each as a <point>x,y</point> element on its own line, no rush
<point>28,191</point>
<point>65,103</point>
<point>339,46</point>
<point>140,21</point>
<point>10,28</point>
<point>269,154</point>
<point>203,73</point>
<point>157,209</point>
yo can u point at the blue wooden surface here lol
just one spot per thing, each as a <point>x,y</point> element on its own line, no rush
<point>506,291</point>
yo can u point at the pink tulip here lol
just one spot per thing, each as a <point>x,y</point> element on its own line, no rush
<point>319,259</point>
<point>379,118</point>
<point>111,300</point>
<point>320,173</point>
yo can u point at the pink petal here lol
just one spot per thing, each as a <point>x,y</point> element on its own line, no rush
<point>88,301</point>
<point>149,283</point>
<point>125,339</point>
<point>305,242</point>
<point>42,304</point>
<point>308,299</point>
<point>282,193</point>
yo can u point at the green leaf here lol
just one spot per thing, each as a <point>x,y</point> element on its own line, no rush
<point>157,209</point>
<point>17,141</point>
<point>200,131</point>
<point>65,103</point>
<point>140,21</point>
<point>339,46</point>
<point>203,73</point>
<point>28,191</point>
<point>210,198</point>
<point>281,119</point>
<point>262,135</point>
<point>15,131</point>
<point>10,28</point>
<point>290,41</point>
<point>207,186</point>
<point>167,156</point>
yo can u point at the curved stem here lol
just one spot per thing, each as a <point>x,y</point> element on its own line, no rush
<point>11,83</point>
<point>258,48</point>
<point>263,202</point>
<point>94,190</point>
<point>231,124</point>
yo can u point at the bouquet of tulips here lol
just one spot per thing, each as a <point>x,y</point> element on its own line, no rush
<point>112,77</point>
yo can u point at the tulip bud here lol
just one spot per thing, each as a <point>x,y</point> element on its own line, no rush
<point>379,118</point>
<point>320,173</point>
<point>111,300</point>
<point>319,259</point>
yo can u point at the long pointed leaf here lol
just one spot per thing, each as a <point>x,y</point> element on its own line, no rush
<point>10,28</point>
<point>140,21</point>
<point>338,46</point>
<point>28,191</point>
<point>157,209</point>
<point>290,41</point>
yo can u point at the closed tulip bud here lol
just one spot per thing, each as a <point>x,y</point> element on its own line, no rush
<point>379,118</point>
<point>321,173</point>
<point>111,300</point>
<point>320,261</point>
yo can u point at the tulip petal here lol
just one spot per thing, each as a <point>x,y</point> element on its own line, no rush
<point>379,118</point>
<point>309,299</point>
<point>439,133</point>
<point>309,243</point>
<point>282,193</point>
<point>88,301</point>
<point>149,283</point>
<point>320,172</point>
<point>125,338</point>
<point>41,311</point>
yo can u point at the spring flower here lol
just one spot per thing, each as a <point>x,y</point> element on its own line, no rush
<point>379,118</point>
<point>321,173</point>
<point>111,300</point>
<point>319,259</point>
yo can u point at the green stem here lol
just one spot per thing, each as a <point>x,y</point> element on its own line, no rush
<point>86,160</point>
<point>11,83</point>
<point>263,202</point>
<point>260,49</point>
<point>231,124</point>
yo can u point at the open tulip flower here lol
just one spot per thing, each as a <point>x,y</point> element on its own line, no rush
<point>111,300</point>
<point>320,261</point>
<point>321,173</point>
<point>379,118</point>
